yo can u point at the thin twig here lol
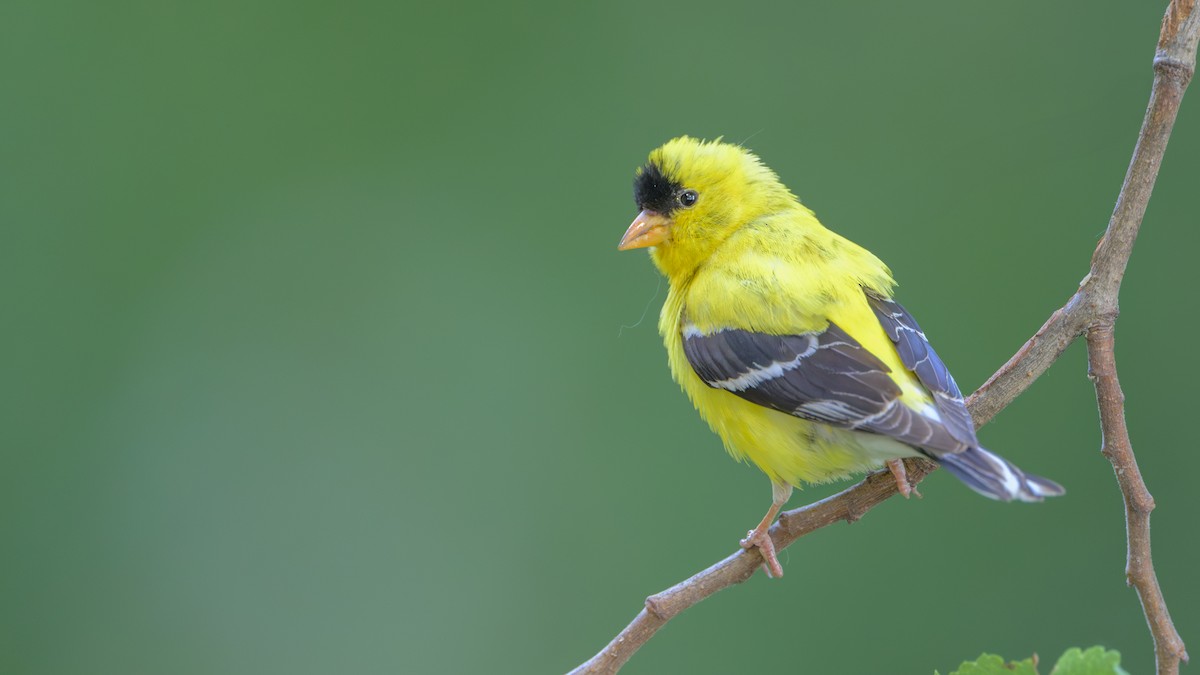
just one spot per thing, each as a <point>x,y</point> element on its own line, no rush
<point>1092,310</point>
<point>1169,649</point>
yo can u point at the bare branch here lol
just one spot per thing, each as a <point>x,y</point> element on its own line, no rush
<point>848,505</point>
<point>1174,64</point>
<point>1030,361</point>
<point>1092,310</point>
<point>1169,649</point>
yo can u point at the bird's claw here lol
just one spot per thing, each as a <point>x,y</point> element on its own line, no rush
<point>761,540</point>
<point>900,475</point>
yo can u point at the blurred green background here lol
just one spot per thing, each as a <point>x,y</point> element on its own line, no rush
<point>319,355</point>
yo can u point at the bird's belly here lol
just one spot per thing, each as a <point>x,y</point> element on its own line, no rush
<point>790,449</point>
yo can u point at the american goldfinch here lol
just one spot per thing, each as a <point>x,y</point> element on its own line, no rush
<point>786,338</point>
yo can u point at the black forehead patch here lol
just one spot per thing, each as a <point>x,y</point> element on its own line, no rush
<point>653,191</point>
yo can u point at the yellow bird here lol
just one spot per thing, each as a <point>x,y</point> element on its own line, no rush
<point>785,337</point>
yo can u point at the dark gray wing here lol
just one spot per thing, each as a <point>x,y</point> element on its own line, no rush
<point>827,376</point>
<point>919,357</point>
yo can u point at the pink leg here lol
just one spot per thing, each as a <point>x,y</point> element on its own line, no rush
<point>759,537</point>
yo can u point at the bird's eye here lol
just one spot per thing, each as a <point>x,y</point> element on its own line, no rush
<point>687,198</point>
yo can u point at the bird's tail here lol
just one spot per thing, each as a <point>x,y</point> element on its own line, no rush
<point>993,476</point>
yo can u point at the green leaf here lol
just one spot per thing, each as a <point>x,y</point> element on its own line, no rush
<point>990,664</point>
<point>1095,661</point>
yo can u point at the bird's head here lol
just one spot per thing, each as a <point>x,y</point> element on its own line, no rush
<point>693,195</point>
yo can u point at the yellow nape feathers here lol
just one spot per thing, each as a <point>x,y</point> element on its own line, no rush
<point>786,338</point>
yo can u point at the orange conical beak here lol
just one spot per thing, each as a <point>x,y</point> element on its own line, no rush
<point>648,229</point>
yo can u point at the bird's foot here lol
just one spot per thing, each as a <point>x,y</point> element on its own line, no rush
<point>896,466</point>
<point>761,539</point>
